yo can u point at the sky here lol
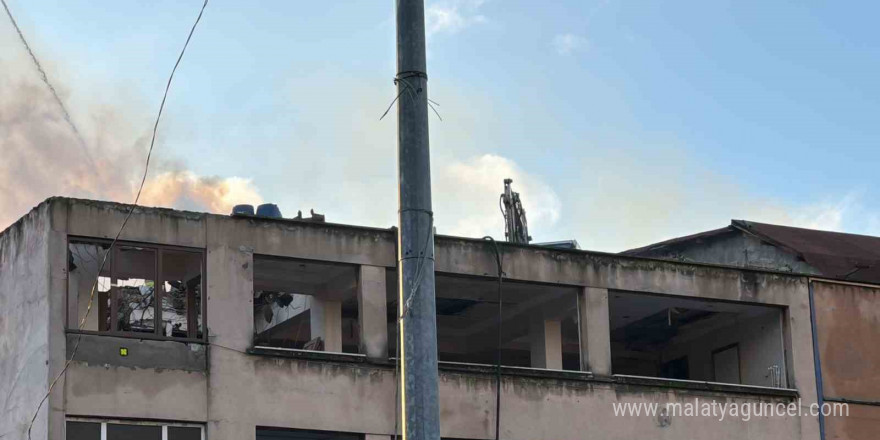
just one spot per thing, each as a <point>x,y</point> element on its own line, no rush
<point>622,123</point>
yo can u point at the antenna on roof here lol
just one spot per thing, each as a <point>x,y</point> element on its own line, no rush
<point>516,228</point>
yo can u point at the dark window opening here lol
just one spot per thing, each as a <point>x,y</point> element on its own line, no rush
<point>83,431</point>
<point>675,369</point>
<point>141,290</point>
<point>121,430</point>
<point>305,305</point>
<point>679,338</point>
<point>302,434</point>
<point>539,322</point>
<point>133,432</point>
<point>725,364</point>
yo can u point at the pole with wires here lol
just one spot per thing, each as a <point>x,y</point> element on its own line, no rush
<point>417,328</point>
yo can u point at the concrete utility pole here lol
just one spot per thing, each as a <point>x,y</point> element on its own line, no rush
<point>418,328</point>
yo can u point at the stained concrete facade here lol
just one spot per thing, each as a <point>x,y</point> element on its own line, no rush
<point>731,247</point>
<point>231,387</point>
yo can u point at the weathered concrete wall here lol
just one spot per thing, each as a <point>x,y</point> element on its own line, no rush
<point>360,398</point>
<point>140,353</point>
<point>283,238</point>
<point>241,390</point>
<point>139,393</point>
<point>593,269</point>
<point>734,248</point>
<point>24,324</point>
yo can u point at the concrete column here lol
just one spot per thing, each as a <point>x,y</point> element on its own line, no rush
<point>326,322</point>
<point>546,343</point>
<point>372,312</point>
<point>56,260</point>
<point>595,331</point>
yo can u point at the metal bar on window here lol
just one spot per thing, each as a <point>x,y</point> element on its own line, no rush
<point>158,292</point>
<point>114,291</point>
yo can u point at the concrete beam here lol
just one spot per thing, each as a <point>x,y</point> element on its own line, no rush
<point>372,312</point>
<point>595,327</point>
<point>326,322</point>
<point>546,344</point>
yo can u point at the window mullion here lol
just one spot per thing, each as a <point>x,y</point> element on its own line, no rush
<point>114,290</point>
<point>158,289</point>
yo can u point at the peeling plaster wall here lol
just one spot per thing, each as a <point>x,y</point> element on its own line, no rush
<point>281,392</point>
<point>240,391</point>
<point>24,324</point>
<point>142,393</point>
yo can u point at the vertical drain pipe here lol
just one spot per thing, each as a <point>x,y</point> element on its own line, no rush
<point>817,362</point>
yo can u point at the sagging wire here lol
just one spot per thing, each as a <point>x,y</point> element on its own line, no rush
<point>422,257</point>
<point>410,92</point>
<point>51,87</point>
<point>122,227</point>
<point>498,354</point>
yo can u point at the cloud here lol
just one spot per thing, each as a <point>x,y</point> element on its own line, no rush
<point>567,44</point>
<point>632,197</point>
<point>467,193</point>
<point>451,16</point>
<point>608,196</point>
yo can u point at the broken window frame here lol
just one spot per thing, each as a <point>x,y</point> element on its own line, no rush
<point>162,424</point>
<point>507,307</point>
<point>261,343</point>
<point>158,292</point>
<point>781,311</point>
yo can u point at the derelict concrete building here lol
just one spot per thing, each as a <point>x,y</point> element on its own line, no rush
<point>238,327</point>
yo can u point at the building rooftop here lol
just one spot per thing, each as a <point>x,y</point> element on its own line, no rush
<point>836,255</point>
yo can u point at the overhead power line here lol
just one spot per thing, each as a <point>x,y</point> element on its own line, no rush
<point>51,87</point>
<point>124,221</point>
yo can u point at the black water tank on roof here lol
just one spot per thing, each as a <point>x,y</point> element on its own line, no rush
<point>269,210</point>
<point>243,209</point>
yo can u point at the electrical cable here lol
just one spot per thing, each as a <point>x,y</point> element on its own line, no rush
<point>46,81</point>
<point>401,314</point>
<point>498,354</point>
<point>418,279</point>
<point>122,227</point>
<point>409,88</point>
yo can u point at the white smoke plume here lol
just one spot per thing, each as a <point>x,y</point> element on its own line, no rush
<point>40,155</point>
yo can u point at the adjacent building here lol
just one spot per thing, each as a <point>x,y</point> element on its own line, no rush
<point>199,326</point>
<point>848,257</point>
<point>844,288</point>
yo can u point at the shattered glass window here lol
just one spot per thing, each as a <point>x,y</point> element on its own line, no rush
<point>181,294</point>
<point>88,309</point>
<point>135,282</point>
<point>141,289</point>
